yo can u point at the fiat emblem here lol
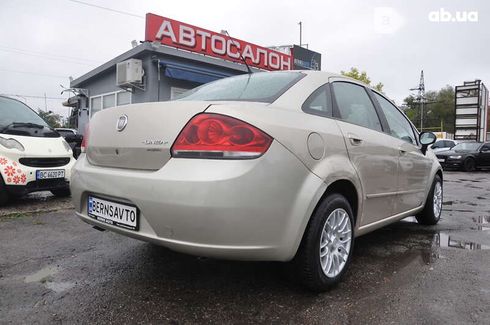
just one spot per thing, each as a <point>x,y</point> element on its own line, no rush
<point>122,122</point>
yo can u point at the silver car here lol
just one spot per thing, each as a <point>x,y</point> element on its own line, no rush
<point>280,166</point>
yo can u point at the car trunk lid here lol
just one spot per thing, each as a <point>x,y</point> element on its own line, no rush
<point>145,141</point>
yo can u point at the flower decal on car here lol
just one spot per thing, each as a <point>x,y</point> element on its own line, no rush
<point>9,171</point>
<point>12,172</point>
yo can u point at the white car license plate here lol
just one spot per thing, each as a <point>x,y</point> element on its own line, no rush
<point>49,174</point>
<point>441,160</point>
<point>113,213</point>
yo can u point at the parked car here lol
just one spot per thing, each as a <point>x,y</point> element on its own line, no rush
<point>443,145</point>
<point>467,156</point>
<point>33,156</point>
<point>73,138</point>
<point>279,166</point>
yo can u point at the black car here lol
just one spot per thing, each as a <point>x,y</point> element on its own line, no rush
<point>467,156</point>
<point>73,138</point>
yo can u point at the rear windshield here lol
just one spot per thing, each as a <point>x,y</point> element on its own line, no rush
<point>263,87</point>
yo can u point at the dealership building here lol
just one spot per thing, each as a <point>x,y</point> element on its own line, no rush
<point>173,58</point>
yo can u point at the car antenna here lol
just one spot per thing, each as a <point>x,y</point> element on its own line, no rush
<point>240,52</point>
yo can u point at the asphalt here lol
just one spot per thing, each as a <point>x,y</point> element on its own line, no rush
<point>56,269</point>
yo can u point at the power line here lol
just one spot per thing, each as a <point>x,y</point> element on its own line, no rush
<point>108,9</point>
<point>34,73</point>
<point>29,51</point>
<point>33,96</point>
<point>47,57</point>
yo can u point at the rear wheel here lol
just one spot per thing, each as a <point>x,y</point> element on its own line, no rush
<point>61,192</point>
<point>469,165</point>
<point>431,214</point>
<point>326,248</point>
<point>4,196</point>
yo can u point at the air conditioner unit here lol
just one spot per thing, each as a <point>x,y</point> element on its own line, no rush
<point>129,72</point>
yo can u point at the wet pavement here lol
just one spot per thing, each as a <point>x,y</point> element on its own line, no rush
<point>56,269</point>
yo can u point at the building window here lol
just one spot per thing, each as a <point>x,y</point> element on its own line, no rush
<point>103,101</point>
<point>176,91</point>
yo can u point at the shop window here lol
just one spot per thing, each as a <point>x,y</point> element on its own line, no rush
<point>123,98</point>
<point>109,100</point>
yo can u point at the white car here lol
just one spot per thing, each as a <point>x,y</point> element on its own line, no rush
<point>443,145</point>
<point>278,166</point>
<point>33,157</point>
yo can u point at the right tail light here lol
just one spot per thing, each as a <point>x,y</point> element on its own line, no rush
<point>83,146</point>
<point>216,136</point>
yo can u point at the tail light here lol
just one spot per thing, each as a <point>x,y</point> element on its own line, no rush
<point>220,137</point>
<point>83,146</point>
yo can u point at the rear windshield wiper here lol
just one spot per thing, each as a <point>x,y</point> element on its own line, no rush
<point>22,124</point>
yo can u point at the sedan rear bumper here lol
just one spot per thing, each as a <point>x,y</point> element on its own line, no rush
<point>234,209</point>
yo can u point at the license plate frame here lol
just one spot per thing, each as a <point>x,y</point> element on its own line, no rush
<point>99,209</point>
<point>50,174</point>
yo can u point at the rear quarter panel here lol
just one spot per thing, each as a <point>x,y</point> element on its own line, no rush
<point>292,128</point>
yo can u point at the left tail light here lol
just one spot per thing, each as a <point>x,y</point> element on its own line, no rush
<point>216,136</point>
<point>83,146</point>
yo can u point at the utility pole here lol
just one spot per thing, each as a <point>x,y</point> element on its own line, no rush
<point>300,33</point>
<point>421,98</point>
<point>45,103</point>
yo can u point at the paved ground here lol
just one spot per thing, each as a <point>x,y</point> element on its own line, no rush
<point>54,268</point>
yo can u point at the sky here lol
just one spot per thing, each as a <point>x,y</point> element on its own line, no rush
<point>44,42</point>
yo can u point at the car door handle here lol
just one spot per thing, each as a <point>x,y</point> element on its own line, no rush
<point>354,140</point>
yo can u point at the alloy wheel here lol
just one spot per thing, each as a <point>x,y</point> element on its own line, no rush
<point>335,242</point>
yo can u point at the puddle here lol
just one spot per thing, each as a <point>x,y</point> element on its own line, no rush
<point>446,241</point>
<point>41,275</point>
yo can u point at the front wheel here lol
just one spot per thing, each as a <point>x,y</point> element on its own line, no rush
<point>469,165</point>
<point>326,248</point>
<point>431,214</point>
<point>61,192</point>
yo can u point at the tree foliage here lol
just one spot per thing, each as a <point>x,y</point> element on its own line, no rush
<point>438,109</point>
<point>54,120</point>
<point>362,76</point>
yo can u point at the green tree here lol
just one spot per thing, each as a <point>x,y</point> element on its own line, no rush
<point>438,109</point>
<point>54,120</point>
<point>362,76</point>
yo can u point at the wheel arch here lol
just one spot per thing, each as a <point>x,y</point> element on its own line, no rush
<point>346,188</point>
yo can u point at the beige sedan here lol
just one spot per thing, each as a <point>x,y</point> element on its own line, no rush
<point>283,166</point>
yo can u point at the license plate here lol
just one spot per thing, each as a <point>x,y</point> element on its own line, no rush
<point>441,160</point>
<point>49,174</point>
<point>114,213</point>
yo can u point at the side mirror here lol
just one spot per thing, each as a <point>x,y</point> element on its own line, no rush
<point>426,139</point>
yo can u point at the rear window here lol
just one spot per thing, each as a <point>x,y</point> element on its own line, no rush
<point>263,87</point>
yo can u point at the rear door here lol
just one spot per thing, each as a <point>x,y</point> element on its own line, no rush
<point>373,153</point>
<point>414,167</point>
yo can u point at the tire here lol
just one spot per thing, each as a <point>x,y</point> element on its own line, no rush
<point>316,272</point>
<point>4,196</point>
<point>469,165</point>
<point>431,214</point>
<point>61,192</point>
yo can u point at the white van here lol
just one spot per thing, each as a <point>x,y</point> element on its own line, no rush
<point>33,156</point>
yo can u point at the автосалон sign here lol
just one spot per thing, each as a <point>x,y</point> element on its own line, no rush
<point>195,39</point>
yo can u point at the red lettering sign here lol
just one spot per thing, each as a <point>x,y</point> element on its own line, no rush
<point>184,36</point>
